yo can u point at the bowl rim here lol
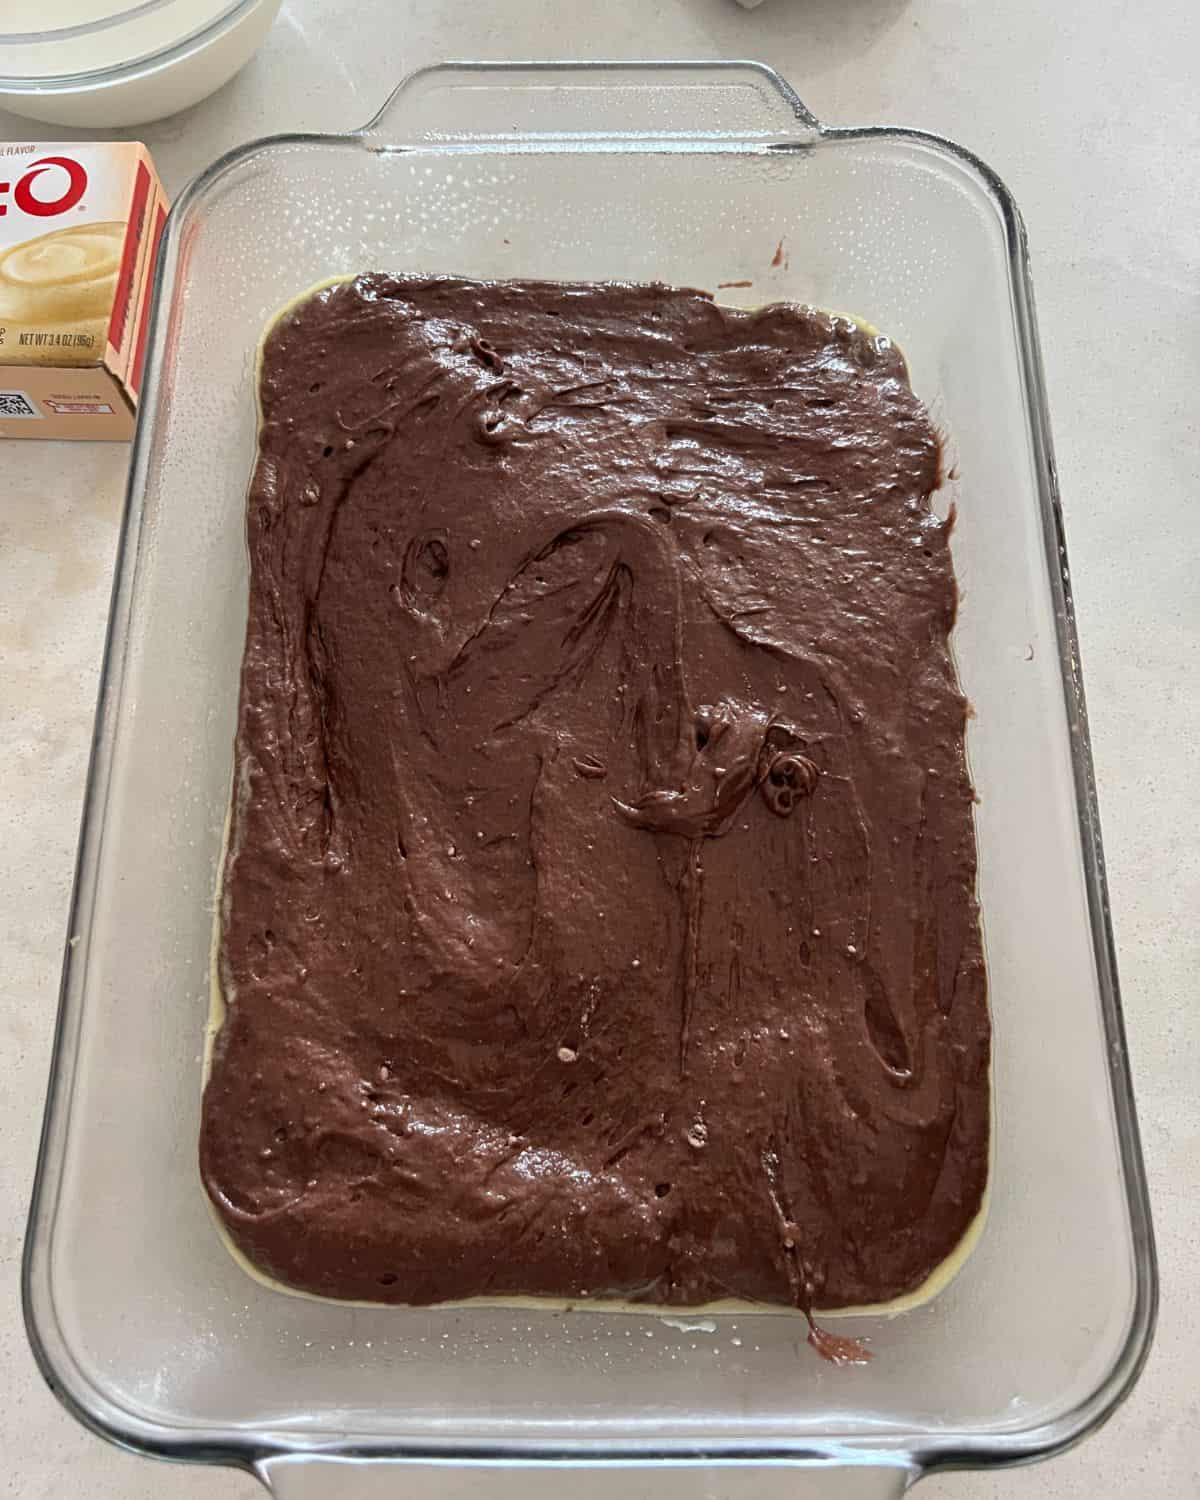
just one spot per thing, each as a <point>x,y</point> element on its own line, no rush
<point>228,15</point>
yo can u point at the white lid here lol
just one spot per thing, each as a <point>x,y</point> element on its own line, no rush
<point>47,41</point>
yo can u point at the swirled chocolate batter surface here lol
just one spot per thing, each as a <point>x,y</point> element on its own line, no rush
<point>599,915</point>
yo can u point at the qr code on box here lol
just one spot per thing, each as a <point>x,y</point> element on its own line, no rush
<point>17,404</point>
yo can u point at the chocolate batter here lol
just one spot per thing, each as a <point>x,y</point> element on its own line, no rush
<point>599,917</point>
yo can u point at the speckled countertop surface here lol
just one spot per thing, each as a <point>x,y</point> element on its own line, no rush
<point>1090,113</point>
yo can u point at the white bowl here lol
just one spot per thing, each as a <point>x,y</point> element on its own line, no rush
<point>103,63</point>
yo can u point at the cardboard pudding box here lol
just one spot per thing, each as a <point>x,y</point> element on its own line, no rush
<point>80,226</point>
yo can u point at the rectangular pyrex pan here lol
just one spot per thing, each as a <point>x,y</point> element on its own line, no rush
<point>692,174</point>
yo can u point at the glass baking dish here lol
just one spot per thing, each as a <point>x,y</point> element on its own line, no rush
<point>693,174</point>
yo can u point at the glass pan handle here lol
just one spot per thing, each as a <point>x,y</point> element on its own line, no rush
<point>524,103</point>
<point>301,1478</point>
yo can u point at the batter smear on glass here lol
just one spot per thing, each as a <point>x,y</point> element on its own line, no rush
<point>599,915</point>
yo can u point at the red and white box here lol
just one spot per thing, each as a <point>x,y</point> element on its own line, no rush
<point>80,226</point>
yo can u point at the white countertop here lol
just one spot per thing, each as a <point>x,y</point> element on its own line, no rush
<point>1091,113</point>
